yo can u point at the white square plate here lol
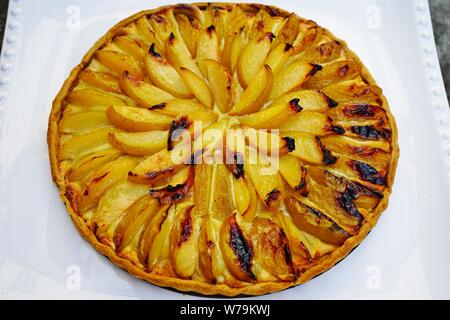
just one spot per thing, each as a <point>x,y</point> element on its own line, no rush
<point>42,255</point>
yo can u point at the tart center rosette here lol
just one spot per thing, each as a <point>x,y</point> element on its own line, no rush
<point>223,148</point>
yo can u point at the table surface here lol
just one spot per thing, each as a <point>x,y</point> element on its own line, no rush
<point>440,14</point>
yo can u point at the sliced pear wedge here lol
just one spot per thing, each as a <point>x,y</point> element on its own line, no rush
<point>145,95</point>
<point>178,107</point>
<point>119,62</point>
<point>164,75</point>
<point>178,54</point>
<point>101,80</point>
<point>265,178</point>
<point>256,93</point>
<point>292,77</point>
<point>139,143</point>
<point>103,179</point>
<point>273,116</point>
<point>220,84</point>
<point>272,249</point>
<point>184,242</point>
<point>131,46</point>
<point>112,206</point>
<point>278,57</point>
<point>315,222</point>
<point>309,122</point>
<point>207,48</point>
<point>237,250</point>
<point>78,123</point>
<point>90,97</point>
<point>253,57</point>
<point>157,166</point>
<point>198,86</point>
<point>137,119</point>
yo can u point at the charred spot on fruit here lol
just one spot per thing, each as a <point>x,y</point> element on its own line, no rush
<point>288,47</point>
<point>368,191</point>
<point>290,143</point>
<point>158,106</point>
<point>302,187</point>
<point>176,129</point>
<point>287,254</point>
<point>342,71</point>
<point>237,167</point>
<point>284,242</point>
<point>153,52</point>
<point>152,174</point>
<point>158,18</point>
<point>171,193</point>
<point>328,158</point>
<point>315,68</point>
<point>330,102</point>
<point>210,244</point>
<point>186,228</point>
<point>345,201</point>
<point>337,129</point>
<point>241,248</point>
<point>367,172</point>
<point>260,25</point>
<point>360,110</point>
<point>294,104</point>
<point>272,196</point>
<point>210,29</point>
<point>171,37</point>
<point>270,36</point>
<point>369,132</point>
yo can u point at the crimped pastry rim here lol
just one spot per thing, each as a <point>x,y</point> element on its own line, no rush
<point>191,285</point>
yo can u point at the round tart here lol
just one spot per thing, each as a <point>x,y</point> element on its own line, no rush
<point>222,148</point>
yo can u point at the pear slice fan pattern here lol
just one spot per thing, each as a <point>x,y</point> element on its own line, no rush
<point>241,225</point>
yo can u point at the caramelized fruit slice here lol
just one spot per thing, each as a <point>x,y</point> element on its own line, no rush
<point>315,222</point>
<point>237,250</point>
<point>272,249</point>
<point>273,116</point>
<point>184,242</point>
<point>157,166</point>
<point>80,145</point>
<point>103,179</point>
<point>207,48</point>
<point>265,179</point>
<point>113,205</point>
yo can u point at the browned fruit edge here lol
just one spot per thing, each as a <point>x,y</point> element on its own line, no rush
<point>190,285</point>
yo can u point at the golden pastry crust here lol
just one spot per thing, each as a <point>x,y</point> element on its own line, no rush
<point>70,195</point>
